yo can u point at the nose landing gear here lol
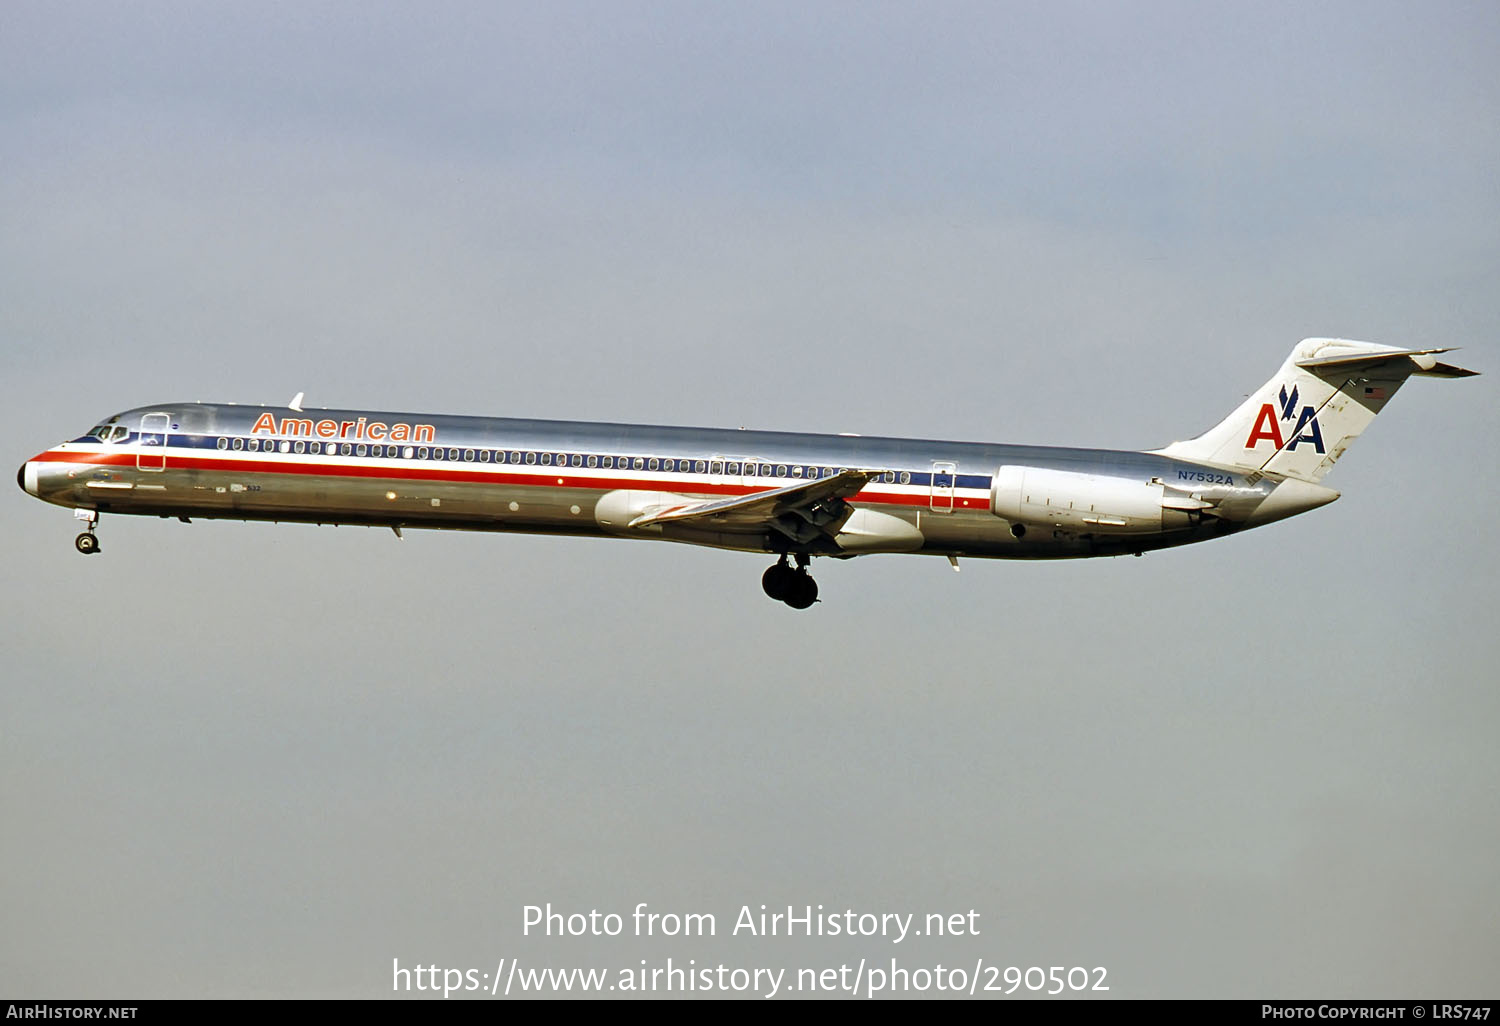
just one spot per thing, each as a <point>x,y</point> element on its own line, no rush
<point>794,587</point>
<point>87,542</point>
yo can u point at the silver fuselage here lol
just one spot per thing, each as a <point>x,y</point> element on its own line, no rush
<point>408,470</point>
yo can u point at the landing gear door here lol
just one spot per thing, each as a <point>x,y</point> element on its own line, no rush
<point>944,478</point>
<point>151,451</point>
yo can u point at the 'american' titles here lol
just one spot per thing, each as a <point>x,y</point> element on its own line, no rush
<point>360,428</point>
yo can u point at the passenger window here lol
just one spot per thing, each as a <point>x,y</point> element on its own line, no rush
<point>593,461</point>
<point>796,471</point>
<point>653,464</point>
<point>733,469</point>
<point>531,457</point>
<point>361,449</point>
<point>286,446</point>
<point>700,466</point>
<point>781,470</point>
<point>239,443</point>
<point>640,463</point>
<point>223,443</point>
<point>905,477</point>
<point>300,447</point>
<point>346,449</point>
<point>577,460</point>
<point>453,454</point>
<point>468,455</point>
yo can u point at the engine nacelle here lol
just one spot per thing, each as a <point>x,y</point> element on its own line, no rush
<point>1082,503</point>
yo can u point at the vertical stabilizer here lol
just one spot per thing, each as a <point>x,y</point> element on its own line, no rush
<point>1301,421</point>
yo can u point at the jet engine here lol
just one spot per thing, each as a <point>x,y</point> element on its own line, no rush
<point>1088,503</point>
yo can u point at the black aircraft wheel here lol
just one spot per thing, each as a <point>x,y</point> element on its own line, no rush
<point>804,592</point>
<point>86,543</point>
<point>778,581</point>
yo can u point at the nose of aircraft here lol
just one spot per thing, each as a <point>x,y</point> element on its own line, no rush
<point>26,477</point>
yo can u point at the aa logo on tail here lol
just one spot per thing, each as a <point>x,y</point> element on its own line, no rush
<point>1268,424</point>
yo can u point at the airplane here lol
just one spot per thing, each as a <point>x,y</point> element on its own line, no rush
<point>796,496</point>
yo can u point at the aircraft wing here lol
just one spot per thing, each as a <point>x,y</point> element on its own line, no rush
<point>807,507</point>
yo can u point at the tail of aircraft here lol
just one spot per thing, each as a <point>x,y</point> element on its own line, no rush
<point>1301,421</point>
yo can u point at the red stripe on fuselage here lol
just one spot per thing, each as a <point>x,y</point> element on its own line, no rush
<point>555,477</point>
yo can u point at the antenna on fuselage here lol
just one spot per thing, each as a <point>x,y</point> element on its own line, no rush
<point>296,403</point>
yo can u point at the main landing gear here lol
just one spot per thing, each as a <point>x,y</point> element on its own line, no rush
<point>87,542</point>
<point>794,587</point>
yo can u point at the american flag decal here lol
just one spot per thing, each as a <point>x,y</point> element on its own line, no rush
<point>1374,393</point>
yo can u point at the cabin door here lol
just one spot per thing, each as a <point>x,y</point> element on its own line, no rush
<point>944,477</point>
<point>151,451</point>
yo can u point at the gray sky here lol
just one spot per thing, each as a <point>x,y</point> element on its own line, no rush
<point>251,760</point>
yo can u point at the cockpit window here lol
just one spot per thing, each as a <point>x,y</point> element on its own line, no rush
<point>109,433</point>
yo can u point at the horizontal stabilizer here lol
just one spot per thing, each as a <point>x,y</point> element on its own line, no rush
<point>1422,362</point>
<point>1447,370</point>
